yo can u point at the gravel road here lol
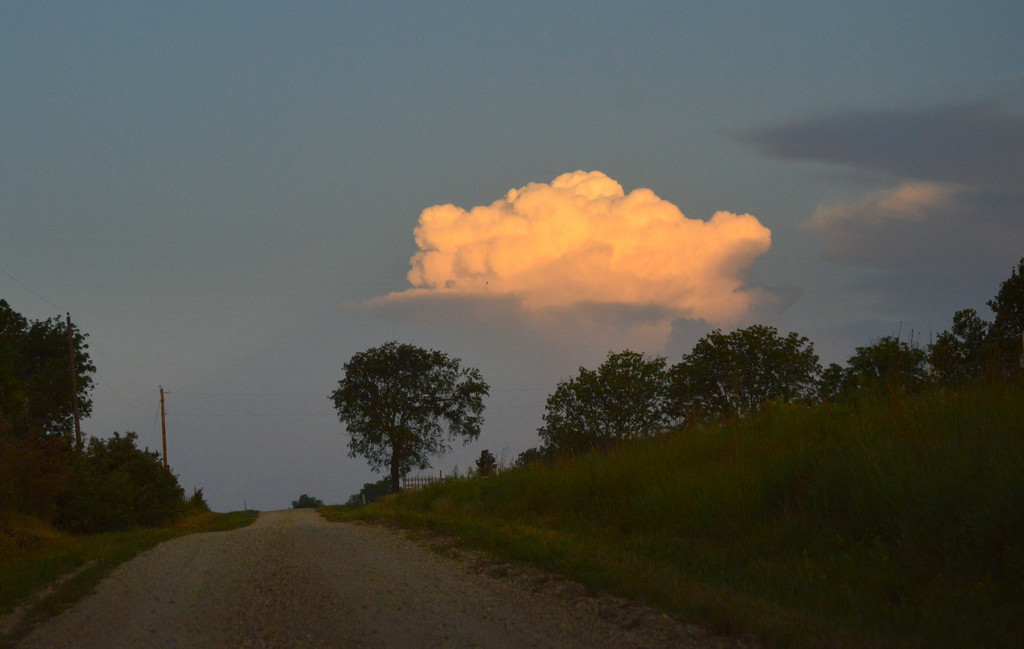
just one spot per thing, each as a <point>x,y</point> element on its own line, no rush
<point>293,580</point>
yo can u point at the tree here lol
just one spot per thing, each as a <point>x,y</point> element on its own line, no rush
<point>733,375</point>
<point>1008,306</point>
<point>35,382</point>
<point>307,502</point>
<point>888,362</point>
<point>402,404</point>
<point>197,501</point>
<point>1008,325</point>
<point>371,492</point>
<point>529,456</point>
<point>963,352</point>
<point>625,398</point>
<point>486,464</point>
<point>832,382</point>
<point>34,473</point>
<point>36,463</point>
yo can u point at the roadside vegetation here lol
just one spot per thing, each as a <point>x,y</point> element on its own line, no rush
<point>72,509</point>
<point>892,521</point>
<point>307,502</point>
<point>43,570</point>
<point>753,491</point>
<point>47,471</point>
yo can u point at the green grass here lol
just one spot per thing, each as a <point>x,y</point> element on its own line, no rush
<point>52,556</point>
<point>897,521</point>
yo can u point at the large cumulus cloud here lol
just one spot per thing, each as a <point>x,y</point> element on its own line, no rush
<point>582,241</point>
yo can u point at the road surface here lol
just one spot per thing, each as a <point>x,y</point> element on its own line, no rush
<point>293,580</point>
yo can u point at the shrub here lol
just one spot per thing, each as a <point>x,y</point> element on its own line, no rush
<point>307,502</point>
<point>117,487</point>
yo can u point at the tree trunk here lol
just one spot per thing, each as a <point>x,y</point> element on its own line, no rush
<point>396,477</point>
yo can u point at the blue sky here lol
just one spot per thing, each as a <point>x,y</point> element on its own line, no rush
<point>218,191</point>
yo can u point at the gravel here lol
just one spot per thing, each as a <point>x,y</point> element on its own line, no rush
<point>293,580</point>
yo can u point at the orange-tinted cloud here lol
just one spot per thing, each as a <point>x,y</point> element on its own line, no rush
<point>582,240</point>
<point>913,201</point>
<point>903,227</point>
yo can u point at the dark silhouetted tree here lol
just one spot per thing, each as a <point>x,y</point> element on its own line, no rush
<point>371,492</point>
<point>733,375</point>
<point>832,382</point>
<point>888,363</point>
<point>486,464</point>
<point>35,382</point>
<point>307,502</point>
<point>1008,325</point>
<point>625,398</point>
<point>36,463</point>
<point>1008,305</point>
<point>963,353</point>
<point>529,456</point>
<point>402,404</point>
<point>197,501</point>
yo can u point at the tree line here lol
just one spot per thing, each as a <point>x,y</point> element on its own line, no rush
<point>89,486</point>
<point>402,404</point>
<point>732,375</point>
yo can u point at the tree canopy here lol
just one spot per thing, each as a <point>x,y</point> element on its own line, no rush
<point>486,464</point>
<point>729,375</point>
<point>963,353</point>
<point>402,404</point>
<point>625,398</point>
<point>973,347</point>
<point>1008,307</point>
<point>104,484</point>
<point>35,377</point>
<point>888,363</point>
<point>371,492</point>
<point>529,456</point>
<point>119,486</point>
<point>307,502</point>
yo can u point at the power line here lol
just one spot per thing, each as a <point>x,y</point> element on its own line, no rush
<point>24,286</point>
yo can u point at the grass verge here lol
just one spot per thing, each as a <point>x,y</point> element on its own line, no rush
<point>896,521</point>
<point>77,563</point>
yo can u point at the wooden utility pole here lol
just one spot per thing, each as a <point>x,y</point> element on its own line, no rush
<point>74,386</point>
<point>163,424</point>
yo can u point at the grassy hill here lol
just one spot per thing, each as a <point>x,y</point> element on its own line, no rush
<point>892,521</point>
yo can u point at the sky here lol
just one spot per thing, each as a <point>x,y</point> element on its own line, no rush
<point>232,199</point>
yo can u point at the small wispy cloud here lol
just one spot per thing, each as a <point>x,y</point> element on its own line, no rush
<point>955,188</point>
<point>907,202</point>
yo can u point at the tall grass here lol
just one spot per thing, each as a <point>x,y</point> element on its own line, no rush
<point>895,521</point>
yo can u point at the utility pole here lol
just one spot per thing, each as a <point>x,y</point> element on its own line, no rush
<point>163,424</point>
<point>74,386</point>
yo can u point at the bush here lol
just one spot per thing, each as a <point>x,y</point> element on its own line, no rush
<point>197,503</point>
<point>118,487</point>
<point>371,492</point>
<point>307,502</point>
<point>33,474</point>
